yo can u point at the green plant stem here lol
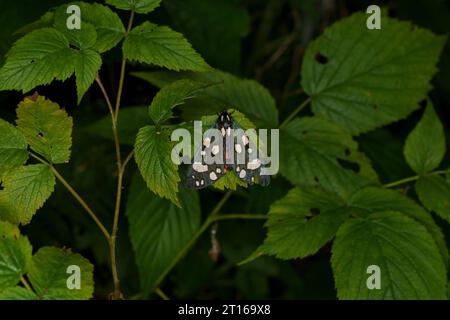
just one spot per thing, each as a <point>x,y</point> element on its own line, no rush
<point>117,294</point>
<point>75,195</point>
<point>108,101</point>
<point>122,70</point>
<point>25,283</point>
<point>212,217</point>
<point>410,179</point>
<point>295,112</point>
<point>160,293</point>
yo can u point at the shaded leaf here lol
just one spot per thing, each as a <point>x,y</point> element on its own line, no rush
<point>434,193</point>
<point>425,145</point>
<point>363,79</point>
<point>48,274</point>
<point>159,230</point>
<point>409,261</point>
<point>18,293</point>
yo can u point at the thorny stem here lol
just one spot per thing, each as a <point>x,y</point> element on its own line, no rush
<point>295,112</point>
<point>76,196</point>
<point>212,217</point>
<point>409,179</point>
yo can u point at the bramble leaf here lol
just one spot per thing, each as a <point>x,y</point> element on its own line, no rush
<point>18,293</point>
<point>363,79</point>
<point>171,96</point>
<point>87,65</point>
<point>301,223</point>
<point>315,151</point>
<point>139,6</point>
<point>15,255</point>
<point>49,277</point>
<point>425,145</point>
<point>160,45</point>
<point>13,148</point>
<point>25,189</point>
<point>46,127</point>
<point>434,193</point>
<point>159,230</point>
<point>153,157</point>
<point>37,58</point>
<point>227,91</point>
<point>409,260</point>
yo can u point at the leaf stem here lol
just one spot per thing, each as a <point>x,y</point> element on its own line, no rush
<point>160,293</point>
<point>117,294</point>
<point>409,179</point>
<point>295,112</point>
<point>76,196</point>
<point>212,217</point>
<point>25,283</point>
<point>108,101</point>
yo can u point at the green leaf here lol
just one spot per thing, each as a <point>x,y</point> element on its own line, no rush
<point>425,145</point>
<point>171,96</point>
<point>228,91</point>
<point>153,157</point>
<point>46,127</point>
<point>13,148</point>
<point>229,181</point>
<point>434,193</point>
<point>18,293</point>
<point>15,254</point>
<point>160,45</point>
<point>313,152</point>
<point>48,274</point>
<point>159,230</point>
<point>131,120</point>
<point>409,261</point>
<point>25,189</point>
<point>371,199</point>
<point>87,65</point>
<point>109,27</point>
<point>301,223</point>
<point>37,58</point>
<point>139,6</point>
<point>363,79</point>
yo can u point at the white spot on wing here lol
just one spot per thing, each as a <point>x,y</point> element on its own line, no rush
<point>228,131</point>
<point>238,148</point>
<point>250,150</point>
<point>223,131</point>
<point>215,149</point>
<point>254,164</point>
<point>197,183</point>
<point>218,170</point>
<point>206,142</point>
<point>212,176</point>
<point>245,140</point>
<point>202,182</point>
<point>242,174</point>
<point>199,167</point>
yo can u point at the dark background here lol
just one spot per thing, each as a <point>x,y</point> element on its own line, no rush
<point>260,39</point>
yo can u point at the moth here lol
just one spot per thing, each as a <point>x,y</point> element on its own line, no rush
<point>225,149</point>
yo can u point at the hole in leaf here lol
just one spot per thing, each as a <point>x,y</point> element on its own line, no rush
<point>71,46</point>
<point>33,61</point>
<point>320,58</point>
<point>316,179</point>
<point>349,165</point>
<point>423,103</point>
<point>40,135</point>
<point>347,152</point>
<point>1,186</point>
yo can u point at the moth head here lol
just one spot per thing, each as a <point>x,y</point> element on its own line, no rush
<point>225,120</point>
